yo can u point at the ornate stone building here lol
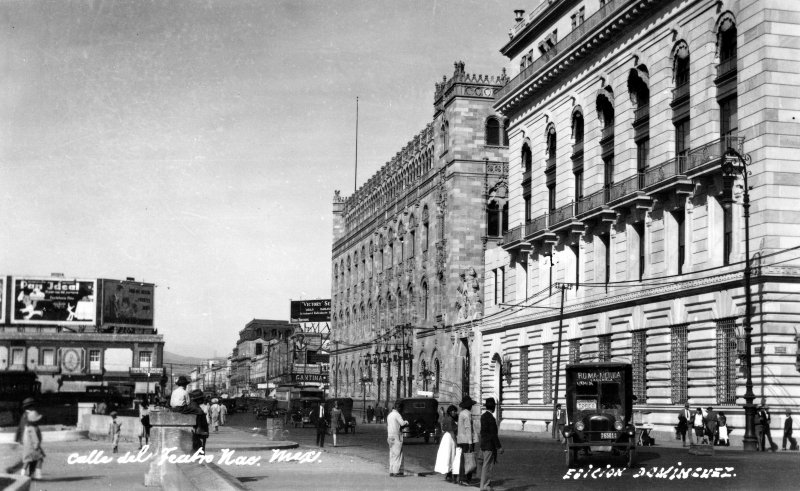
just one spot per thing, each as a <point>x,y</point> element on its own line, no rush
<point>625,120</point>
<point>408,252</point>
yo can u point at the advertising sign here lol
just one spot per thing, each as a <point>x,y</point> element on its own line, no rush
<point>310,377</point>
<point>127,303</point>
<point>53,301</point>
<point>311,311</point>
<point>307,341</point>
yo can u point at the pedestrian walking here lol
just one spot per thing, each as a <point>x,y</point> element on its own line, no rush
<point>114,432</point>
<point>394,428</point>
<point>561,420</point>
<point>144,418</point>
<point>490,443</point>
<point>685,418</point>
<point>200,434</point>
<point>336,418</point>
<point>711,425</point>
<point>787,432</point>
<point>223,414</point>
<point>722,430</point>
<point>446,454</point>
<point>699,425</point>
<point>370,414</point>
<point>465,440</point>
<point>32,453</point>
<point>385,414</point>
<point>765,419</point>
<point>214,414</point>
<point>321,422</point>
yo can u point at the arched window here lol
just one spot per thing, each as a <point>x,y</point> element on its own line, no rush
<point>527,158</point>
<point>445,136</point>
<point>425,228</point>
<point>493,131</point>
<point>504,217</point>
<point>527,165</point>
<point>437,376</point>
<point>425,301</point>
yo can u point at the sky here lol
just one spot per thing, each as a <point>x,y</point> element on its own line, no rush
<point>197,144</point>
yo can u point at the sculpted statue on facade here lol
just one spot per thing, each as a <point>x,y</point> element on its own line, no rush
<point>468,302</point>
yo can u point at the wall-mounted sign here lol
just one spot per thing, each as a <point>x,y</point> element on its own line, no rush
<point>310,377</point>
<point>53,301</point>
<point>127,303</point>
<point>310,311</point>
<point>3,284</point>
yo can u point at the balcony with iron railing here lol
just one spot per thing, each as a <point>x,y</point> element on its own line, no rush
<point>594,201</point>
<point>561,214</point>
<point>536,226</point>
<point>589,28</point>
<point>706,157</point>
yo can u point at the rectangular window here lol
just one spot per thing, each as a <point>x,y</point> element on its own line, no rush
<point>639,232</point>
<point>547,373</point>
<point>18,356</point>
<point>605,239</point>
<point>145,358</point>
<point>94,360</point>
<point>503,284</point>
<point>579,185</point>
<point>523,375</point>
<point>496,275</point>
<point>604,347</point>
<point>680,216</point>
<point>259,349</point>
<point>679,365</point>
<point>727,235</point>
<point>639,365</point>
<point>726,361</point>
<point>413,244</point>
<point>682,144</point>
<point>551,197</point>
<point>575,351</point>
<point>729,118</point>
<point>48,357</point>
<point>527,209</point>
<point>642,159</point>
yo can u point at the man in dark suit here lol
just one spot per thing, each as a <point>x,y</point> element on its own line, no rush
<point>490,443</point>
<point>561,420</point>
<point>321,422</point>
<point>765,419</point>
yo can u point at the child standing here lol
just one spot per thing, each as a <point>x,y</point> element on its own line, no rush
<point>114,431</point>
<point>32,453</point>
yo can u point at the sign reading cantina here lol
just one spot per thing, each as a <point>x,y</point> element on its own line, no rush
<point>56,301</point>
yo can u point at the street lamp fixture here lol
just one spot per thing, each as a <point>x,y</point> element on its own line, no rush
<point>729,171</point>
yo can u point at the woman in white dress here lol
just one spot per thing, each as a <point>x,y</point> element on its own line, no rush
<point>446,455</point>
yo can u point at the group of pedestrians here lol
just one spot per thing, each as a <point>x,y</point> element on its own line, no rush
<point>706,425</point>
<point>324,421</point>
<point>460,444</point>
<point>377,414</point>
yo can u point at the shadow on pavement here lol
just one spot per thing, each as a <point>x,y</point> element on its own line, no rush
<point>69,479</point>
<point>251,478</point>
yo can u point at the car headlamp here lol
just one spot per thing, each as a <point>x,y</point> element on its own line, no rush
<point>579,426</point>
<point>618,425</point>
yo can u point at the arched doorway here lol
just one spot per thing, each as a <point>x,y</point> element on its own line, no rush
<point>497,383</point>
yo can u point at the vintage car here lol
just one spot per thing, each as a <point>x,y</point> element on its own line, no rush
<point>346,406</point>
<point>266,408</point>
<point>422,414</point>
<point>301,410</point>
<point>599,402</point>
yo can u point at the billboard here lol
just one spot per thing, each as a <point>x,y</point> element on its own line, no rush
<point>127,303</point>
<point>53,301</point>
<point>310,311</point>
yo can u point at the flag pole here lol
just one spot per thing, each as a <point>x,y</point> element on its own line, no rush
<point>355,176</point>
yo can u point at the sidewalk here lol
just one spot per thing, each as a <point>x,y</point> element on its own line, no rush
<point>92,474</point>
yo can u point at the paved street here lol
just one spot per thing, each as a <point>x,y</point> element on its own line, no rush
<point>531,461</point>
<point>534,461</point>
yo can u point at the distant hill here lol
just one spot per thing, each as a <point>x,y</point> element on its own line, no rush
<point>181,360</point>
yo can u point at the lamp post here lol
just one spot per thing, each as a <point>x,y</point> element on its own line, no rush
<point>366,378</point>
<point>728,171</point>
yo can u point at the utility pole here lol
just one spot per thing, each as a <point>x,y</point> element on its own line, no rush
<point>563,287</point>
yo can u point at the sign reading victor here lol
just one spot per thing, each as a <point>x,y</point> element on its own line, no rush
<point>53,301</point>
<point>311,311</point>
<point>127,302</point>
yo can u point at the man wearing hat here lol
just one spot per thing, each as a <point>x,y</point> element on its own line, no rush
<point>466,439</point>
<point>180,397</point>
<point>201,422</point>
<point>684,422</point>
<point>27,407</point>
<point>214,413</point>
<point>32,453</point>
<point>765,419</point>
<point>490,443</point>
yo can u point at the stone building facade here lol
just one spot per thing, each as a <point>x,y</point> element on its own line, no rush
<point>408,253</point>
<point>622,186</point>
